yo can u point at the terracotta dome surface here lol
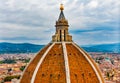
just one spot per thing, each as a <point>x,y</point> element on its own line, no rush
<point>62,61</point>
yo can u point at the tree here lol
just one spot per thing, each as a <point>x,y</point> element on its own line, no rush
<point>22,68</point>
<point>9,61</point>
<point>9,78</point>
<point>27,60</point>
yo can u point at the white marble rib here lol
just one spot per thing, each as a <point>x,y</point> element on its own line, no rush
<point>66,63</point>
<point>40,62</point>
<point>30,63</point>
<point>100,80</point>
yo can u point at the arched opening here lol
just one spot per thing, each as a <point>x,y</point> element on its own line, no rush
<point>60,35</point>
<point>64,35</point>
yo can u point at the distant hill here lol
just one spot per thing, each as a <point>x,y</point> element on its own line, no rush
<point>19,48</point>
<point>32,48</point>
<point>114,48</point>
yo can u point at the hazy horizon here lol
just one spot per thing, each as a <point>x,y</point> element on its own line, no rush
<point>49,42</point>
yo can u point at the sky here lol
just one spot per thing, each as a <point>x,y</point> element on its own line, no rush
<point>33,21</point>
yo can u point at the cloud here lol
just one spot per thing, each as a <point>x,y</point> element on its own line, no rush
<point>92,4</point>
<point>91,21</point>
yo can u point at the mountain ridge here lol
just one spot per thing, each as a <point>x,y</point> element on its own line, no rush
<point>6,47</point>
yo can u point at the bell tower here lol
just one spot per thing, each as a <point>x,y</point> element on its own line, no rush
<point>62,33</point>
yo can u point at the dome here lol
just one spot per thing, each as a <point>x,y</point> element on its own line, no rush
<point>62,61</point>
